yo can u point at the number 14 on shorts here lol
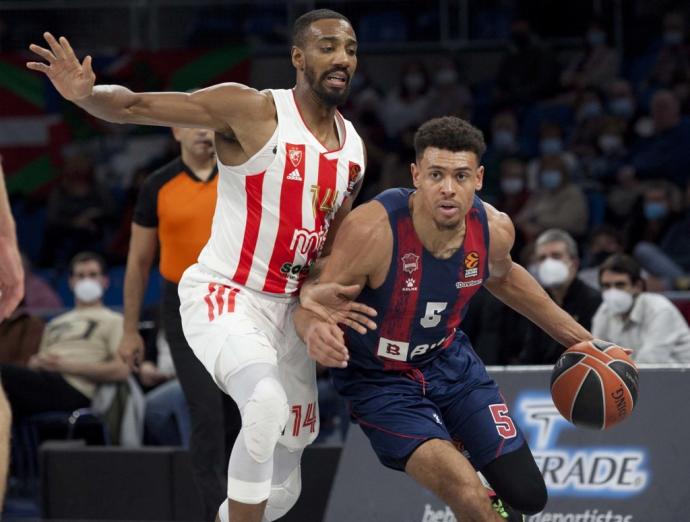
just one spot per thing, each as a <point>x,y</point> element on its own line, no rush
<point>309,418</point>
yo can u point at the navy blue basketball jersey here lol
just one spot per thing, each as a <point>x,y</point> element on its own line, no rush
<point>423,299</point>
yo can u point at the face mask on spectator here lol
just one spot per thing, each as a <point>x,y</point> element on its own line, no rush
<point>591,109</point>
<point>654,210</point>
<point>550,146</point>
<point>673,37</point>
<point>551,178</point>
<point>88,290</point>
<point>610,142</point>
<point>617,300</point>
<point>644,127</point>
<point>552,272</point>
<point>414,82</point>
<point>596,38</point>
<point>504,139</point>
<point>512,185</point>
<point>622,107</point>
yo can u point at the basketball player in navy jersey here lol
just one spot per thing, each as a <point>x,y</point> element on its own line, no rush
<point>415,385</point>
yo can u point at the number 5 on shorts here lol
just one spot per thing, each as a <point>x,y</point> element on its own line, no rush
<point>504,424</point>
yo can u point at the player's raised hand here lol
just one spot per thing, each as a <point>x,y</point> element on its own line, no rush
<point>334,303</point>
<point>73,80</point>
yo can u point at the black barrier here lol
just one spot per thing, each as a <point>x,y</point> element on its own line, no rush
<point>634,472</point>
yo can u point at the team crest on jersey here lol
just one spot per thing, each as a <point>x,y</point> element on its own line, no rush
<point>410,262</point>
<point>352,176</point>
<point>471,264</point>
<point>295,156</point>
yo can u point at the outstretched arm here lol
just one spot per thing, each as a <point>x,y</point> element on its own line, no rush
<point>217,107</point>
<point>514,285</point>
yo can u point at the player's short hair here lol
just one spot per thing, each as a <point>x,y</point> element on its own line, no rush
<point>553,235</point>
<point>449,133</point>
<point>83,257</point>
<point>299,29</point>
<point>622,264</point>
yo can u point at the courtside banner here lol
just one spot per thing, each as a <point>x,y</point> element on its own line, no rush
<point>636,471</point>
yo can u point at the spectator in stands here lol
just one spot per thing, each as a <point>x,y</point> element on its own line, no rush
<point>653,215</point>
<point>79,208</point>
<point>589,116</point>
<point>558,203</point>
<point>604,241</point>
<point>672,61</point>
<point>448,96</point>
<point>407,105</point>
<point>551,143</point>
<point>623,195</point>
<point>621,101</point>
<point>38,295</point>
<point>665,154</point>
<point>528,72</point>
<point>78,350</point>
<point>670,259</point>
<point>611,151</point>
<point>646,322</point>
<point>557,255</point>
<point>596,66</point>
<point>504,143</point>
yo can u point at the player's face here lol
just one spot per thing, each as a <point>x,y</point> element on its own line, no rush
<point>197,143</point>
<point>446,182</point>
<point>330,60</point>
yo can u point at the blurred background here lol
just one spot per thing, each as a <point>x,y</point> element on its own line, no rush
<point>585,107</point>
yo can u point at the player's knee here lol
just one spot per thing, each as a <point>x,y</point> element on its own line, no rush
<point>264,418</point>
<point>284,496</point>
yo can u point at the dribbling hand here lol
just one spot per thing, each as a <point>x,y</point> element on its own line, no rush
<point>334,303</point>
<point>73,80</point>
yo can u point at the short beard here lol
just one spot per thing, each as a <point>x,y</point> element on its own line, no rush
<point>329,98</point>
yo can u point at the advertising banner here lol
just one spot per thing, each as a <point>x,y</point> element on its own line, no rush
<point>636,471</point>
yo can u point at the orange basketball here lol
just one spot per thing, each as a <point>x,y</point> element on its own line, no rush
<point>594,384</point>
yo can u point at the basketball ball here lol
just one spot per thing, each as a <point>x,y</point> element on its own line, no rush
<point>594,384</point>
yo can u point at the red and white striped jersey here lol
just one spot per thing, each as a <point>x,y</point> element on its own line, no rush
<point>273,212</point>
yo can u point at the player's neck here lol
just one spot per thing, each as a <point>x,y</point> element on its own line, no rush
<point>202,166</point>
<point>319,118</point>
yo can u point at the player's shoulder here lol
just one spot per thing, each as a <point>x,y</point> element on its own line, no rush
<point>367,223</point>
<point>501,228</point>
<point>238,97</point>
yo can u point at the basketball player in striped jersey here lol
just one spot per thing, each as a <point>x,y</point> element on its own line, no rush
<point>415,385</point>
<point>289,168</point>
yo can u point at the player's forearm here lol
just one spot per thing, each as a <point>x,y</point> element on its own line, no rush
<point>136,279</point>
<point>303,319</point>
<point>112,103</point>
<point>519,290</point>
<point>7,225</point>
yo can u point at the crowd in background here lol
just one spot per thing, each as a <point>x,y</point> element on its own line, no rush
<point>590,156</point>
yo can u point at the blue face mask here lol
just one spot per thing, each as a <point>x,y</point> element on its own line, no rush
<point>550,146</point>
<point>550,178</point>
<point>655,210</point>
<point>504,139</point>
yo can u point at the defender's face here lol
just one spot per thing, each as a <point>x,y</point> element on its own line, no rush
<point>330,60</point>
<point>446,182</point>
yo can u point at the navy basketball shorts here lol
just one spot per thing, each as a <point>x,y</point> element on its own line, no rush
<point>451,398</point>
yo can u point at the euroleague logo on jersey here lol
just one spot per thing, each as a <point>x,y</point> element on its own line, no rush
<point>471,264</point>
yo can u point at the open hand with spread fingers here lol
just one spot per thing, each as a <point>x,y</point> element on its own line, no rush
<point>334,303</point>
<point>73,80</point>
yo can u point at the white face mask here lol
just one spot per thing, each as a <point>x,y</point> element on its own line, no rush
<point>512,185</point>
<point>88,290</point>
<point>552,272</point>
<point>618,301</point>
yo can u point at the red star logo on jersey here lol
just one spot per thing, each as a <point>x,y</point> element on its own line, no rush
<point>295,156</point>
